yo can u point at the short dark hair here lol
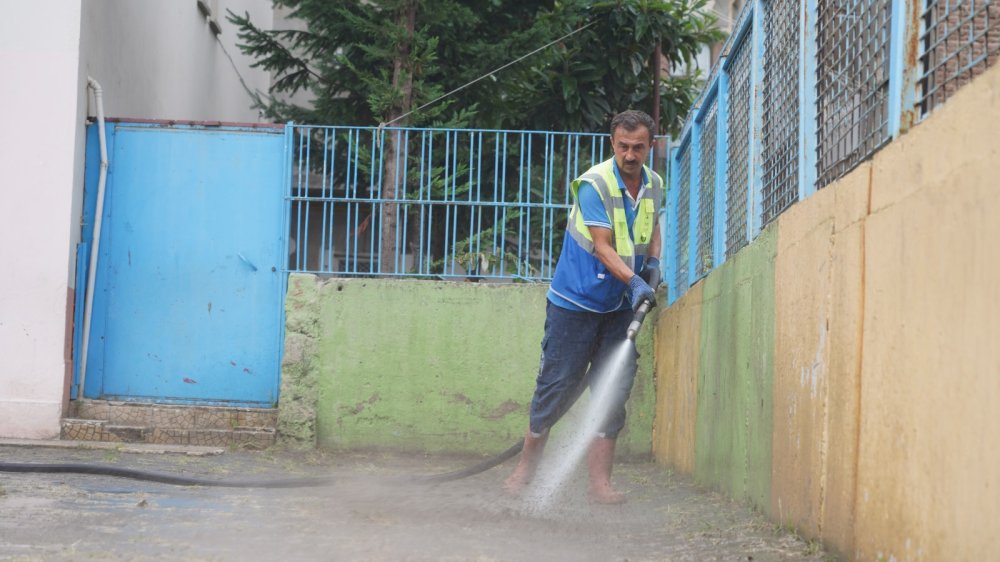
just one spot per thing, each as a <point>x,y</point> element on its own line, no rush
<point>631,120</point>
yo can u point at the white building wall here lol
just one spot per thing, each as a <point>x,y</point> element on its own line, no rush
<point>155,59</point>
<point>39,60</point>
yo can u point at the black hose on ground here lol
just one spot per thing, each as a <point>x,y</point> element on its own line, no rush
<point>176,480</point>
<point>103,470</point>
<point>475,469</point>
<point>146,476</point>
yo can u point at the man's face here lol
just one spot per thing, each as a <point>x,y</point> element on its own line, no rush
<point>631,149</point>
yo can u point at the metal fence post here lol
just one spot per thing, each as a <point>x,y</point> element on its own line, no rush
<point>693,205</point>
<point>670,259</point>
<point>720,209</point>
<point>755,211</point>
<point>807,99</point>
<point>903,74</point>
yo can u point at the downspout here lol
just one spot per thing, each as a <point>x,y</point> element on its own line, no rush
<point>96,244</point>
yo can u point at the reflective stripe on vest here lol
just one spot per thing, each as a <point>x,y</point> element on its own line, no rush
<point>602,177</point>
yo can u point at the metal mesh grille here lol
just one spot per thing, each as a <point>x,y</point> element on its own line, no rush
<point>961,40</point>
<point>683,204</point>
<point>706,191</point>
<point>852,83</point>
<point>739,148</point>
<point>780,107</point>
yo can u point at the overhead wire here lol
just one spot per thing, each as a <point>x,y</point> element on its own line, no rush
<point>255,95</point>
<point>488,74</point>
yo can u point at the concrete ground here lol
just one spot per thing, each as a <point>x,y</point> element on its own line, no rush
<point>367,513</point>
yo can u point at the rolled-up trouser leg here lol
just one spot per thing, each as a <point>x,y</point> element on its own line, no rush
<point>567,346</point>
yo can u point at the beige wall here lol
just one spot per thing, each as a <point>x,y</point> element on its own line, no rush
<point>818,306</point>
<point>887,371</point>
<point>676,353</point>
<point>929,468</point>
<point>886,405</point>
<point>801,373</point>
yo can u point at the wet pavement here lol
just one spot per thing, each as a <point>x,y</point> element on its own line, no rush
<point>371,511</point>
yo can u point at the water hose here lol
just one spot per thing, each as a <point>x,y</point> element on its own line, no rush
<point>147,476</point>
<point>104,470</point>
<point>640,315</point>
<point>177,480</point>
<point>475,469</point>
<point>633,329</point>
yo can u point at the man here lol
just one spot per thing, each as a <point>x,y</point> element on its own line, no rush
<point>611,234</point>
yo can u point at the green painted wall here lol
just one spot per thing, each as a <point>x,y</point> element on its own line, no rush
<point>424,365</point>
<point>735,377</point>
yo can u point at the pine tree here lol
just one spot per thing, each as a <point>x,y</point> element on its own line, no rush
<point>373,61</point>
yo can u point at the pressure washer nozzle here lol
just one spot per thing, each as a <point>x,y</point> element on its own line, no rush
<point>640,315</point>
<point>633,329</point>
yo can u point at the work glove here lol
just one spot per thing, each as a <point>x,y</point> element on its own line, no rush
<point>639,291</point>
<point>651,272</point>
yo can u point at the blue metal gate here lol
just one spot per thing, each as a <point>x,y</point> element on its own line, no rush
<point>188,299</point>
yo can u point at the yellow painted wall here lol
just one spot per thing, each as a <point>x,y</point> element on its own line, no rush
<point>886,406</point>
<point>887,363</point>
<point>929,465</point>
<point>847,256</point>
<point>802,302</point>
<point>818,304</point>
<point>676,355</point>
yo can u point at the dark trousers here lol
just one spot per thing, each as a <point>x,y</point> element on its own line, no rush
<point>576,350</point>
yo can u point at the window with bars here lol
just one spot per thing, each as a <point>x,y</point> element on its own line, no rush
<point>738,178</point>
<point>852,73</point>
<point>683,206</point>
<point>780,89</point>
<point>706,190</point>
<point>961,39</point>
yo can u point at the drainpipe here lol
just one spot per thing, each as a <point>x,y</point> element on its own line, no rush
<point>96,244</point>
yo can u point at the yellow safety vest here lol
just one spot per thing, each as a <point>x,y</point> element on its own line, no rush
<point>627,245</point>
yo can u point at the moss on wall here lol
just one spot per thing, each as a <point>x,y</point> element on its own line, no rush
<point>423,365</point>
<point>297,405</point>
<point>735,375</point>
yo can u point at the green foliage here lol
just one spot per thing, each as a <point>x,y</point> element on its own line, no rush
<point>606,68</point>
<point>454,68</point>
<point>346,56</point>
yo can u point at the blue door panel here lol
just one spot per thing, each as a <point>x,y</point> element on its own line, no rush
<point>188,300</point>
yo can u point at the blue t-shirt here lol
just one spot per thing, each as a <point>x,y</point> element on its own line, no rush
<point>594,214</point>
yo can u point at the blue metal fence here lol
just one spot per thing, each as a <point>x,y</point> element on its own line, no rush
<point>804,92</point>
<point>434,203</point>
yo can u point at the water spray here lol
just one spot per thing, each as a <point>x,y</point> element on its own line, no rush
<point>551,480</point>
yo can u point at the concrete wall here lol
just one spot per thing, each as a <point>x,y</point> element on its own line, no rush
<point>735,375</point>
<point>879,422</point>
<point>39,53</point>
<point>677,345</point>
<point>422,365</point>
<point>154,59</point>
<point>160,60</point>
